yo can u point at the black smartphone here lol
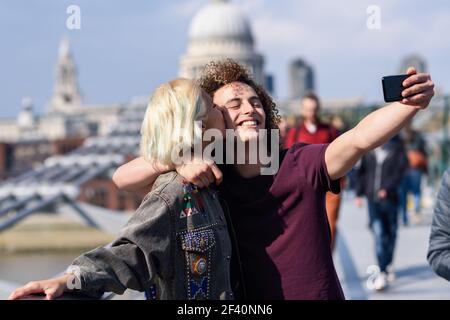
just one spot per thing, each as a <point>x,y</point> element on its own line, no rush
<point>392,87</point>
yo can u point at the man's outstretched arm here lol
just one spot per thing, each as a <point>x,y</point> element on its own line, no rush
<point>379,126</point>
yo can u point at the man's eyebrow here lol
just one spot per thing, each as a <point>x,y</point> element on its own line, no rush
<point>239,99</point>
<point>233,100</point>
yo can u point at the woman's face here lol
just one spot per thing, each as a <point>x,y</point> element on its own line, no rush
<point>213,117</point>
<point>244,111</point>
<point>310,109</point>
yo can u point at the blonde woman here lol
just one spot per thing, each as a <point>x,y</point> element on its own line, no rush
<point>176,245</point>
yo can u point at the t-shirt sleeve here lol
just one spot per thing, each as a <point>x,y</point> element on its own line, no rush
<point>309,161</point>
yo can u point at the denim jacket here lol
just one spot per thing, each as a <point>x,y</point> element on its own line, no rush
<point>175,246</point>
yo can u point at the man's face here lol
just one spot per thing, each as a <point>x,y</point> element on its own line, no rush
<point>244,111</point>
<point>309,109</point>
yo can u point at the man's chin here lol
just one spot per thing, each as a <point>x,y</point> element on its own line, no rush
<point>247,134</point>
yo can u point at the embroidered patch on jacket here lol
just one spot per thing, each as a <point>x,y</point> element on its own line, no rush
<point>198,264</point>
<point>198,245</point>
<point>199,289</point>
<point>199,203</point>
<point>198,240</point>
<point>192,201</point>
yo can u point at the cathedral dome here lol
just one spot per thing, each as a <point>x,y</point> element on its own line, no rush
<point>220,20</point>
<point>220,30</point>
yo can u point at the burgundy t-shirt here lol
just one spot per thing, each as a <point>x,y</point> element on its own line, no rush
<point>282,229</point>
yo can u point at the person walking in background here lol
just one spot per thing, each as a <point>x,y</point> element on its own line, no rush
<point>284,127</point>
<point>378,175</point>
<point>312,130</point>
<point>439,247</point>
<point>411,182</point>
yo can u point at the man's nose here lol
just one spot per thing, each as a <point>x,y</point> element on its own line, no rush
<point>247,107</point>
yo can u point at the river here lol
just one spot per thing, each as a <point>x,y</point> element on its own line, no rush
<point>18,269</point>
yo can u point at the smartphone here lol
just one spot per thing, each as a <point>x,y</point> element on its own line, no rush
<point>392,87</point>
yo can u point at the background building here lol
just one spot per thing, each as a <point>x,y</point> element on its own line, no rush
<point>415,61</point>
<point>66,115</point>
<point>66,97</point>
<point>301,79</point>
<point>220,30</point>
<point>70,152</point>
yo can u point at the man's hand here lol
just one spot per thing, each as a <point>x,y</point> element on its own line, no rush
<point>200,172</point>
<point>379,126</point>
<point>419,89</point>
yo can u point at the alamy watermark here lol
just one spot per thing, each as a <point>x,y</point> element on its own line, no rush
<point>374,17</point>
<point>73,21</point>
<point>74,281</point>
<point>236,147</point>
<point>374,272</point>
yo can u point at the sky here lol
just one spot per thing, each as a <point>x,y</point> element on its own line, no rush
<point>125,49</point>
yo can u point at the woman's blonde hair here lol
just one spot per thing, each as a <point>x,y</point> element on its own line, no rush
<point>169,121</point>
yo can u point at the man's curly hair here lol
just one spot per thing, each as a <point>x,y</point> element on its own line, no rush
<point>217,74</point>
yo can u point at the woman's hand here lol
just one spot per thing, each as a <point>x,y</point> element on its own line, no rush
<point>200,172</point>
<point>52,288</point>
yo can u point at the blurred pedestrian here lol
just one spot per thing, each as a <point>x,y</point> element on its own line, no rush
<point>418,164</point>
<point>312,130</point>
<point>378,176</point>
<point>283,126</point>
